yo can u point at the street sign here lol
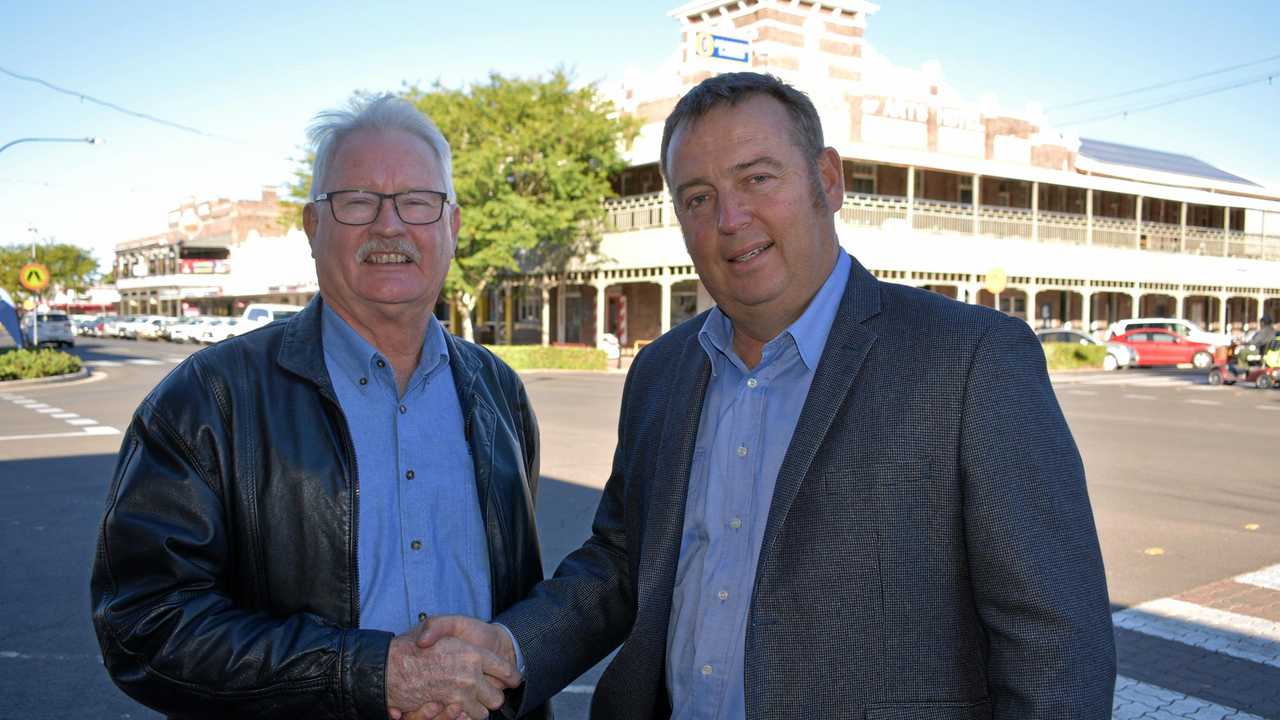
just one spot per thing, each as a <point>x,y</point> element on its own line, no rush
<point>34,276</point>
<point>996,281</point>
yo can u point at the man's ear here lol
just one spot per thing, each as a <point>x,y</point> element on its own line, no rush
<point>309,222</point>
<point>455,223</point>
<point>831,174</point>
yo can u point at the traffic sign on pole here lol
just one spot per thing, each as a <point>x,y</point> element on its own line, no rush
<point>34,276</point>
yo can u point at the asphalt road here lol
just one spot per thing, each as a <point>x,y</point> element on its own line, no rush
<point>1182,478</point>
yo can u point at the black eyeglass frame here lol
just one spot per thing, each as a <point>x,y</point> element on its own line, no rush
<point>328,197</point>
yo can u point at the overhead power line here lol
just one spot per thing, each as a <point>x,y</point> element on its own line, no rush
<point>1159,86</point>
<point>113,106</point>
<point>1267,78</point>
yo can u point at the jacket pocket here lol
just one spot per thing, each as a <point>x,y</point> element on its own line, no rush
<point>929,711</point>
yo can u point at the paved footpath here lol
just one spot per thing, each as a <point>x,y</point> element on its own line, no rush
<point>1207,654</point>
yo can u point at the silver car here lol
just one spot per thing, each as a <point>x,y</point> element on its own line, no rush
<point>54,329</point>
<point>1118,355</point>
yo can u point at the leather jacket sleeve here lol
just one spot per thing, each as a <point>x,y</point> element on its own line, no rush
<point>173,633</point>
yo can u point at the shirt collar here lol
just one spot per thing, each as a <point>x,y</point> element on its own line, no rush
<point>809,332</point>
<point>356,358</point>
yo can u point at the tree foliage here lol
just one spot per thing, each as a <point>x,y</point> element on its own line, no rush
<point>71,268</point>
<point>532,158</point>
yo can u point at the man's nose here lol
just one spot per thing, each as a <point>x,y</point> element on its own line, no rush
<point>387,221</point>
<point>734,214</point>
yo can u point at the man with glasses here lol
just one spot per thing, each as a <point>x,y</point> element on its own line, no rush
<point>290,504</point>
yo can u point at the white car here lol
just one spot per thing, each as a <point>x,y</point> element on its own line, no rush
<point>221,329</point>
<point>1118,355</point>
<point>1177,326</point>
<point>189,329</point>
<point>259,314</point>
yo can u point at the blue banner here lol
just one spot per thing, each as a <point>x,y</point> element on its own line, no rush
<point>9,317</point>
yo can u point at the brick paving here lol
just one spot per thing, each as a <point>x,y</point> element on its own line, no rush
<point>1211,653</point>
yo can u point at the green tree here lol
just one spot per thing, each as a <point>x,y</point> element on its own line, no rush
<point>531,165</point>
<point>532,160</point>
<point>70,267</point>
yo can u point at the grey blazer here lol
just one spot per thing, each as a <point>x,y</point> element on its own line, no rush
<point>930,551</point>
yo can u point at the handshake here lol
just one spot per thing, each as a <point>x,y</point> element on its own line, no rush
<point>449,667</point>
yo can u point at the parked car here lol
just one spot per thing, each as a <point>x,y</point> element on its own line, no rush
<point>153,328</point>
<point>221,329</point>
<point>189,329</point>
<point>53,329</point>
<point>1157,347</point>
<point>1118,355</point>
<point>259,314</point>
<point>1183,328</point>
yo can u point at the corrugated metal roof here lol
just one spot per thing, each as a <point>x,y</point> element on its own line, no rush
<point>1147,159</point>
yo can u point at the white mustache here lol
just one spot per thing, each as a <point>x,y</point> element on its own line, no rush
<point>398,245</point>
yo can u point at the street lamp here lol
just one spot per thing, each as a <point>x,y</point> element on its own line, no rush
<point>90,140</point>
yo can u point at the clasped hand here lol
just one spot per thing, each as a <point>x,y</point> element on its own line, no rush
<point>449,667</point>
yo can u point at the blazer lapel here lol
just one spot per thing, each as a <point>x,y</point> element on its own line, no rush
<point>664,503</point>
<point>847,346</point>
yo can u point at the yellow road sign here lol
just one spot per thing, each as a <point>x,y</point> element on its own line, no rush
<point>996,281</point>
<point>34,276</point>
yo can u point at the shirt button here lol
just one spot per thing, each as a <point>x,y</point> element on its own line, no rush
<point>723,595</point>
<point>416,544</point>
<point>752,382</point>
<point>422,616</point>
<point>364,381</point>
<point>706,670</point>
<point>742,451</point>
<point>735,523</point>
<point>408,475</point>
<point>403,409</point>
<point>382,363</point>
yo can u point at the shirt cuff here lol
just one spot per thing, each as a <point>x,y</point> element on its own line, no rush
<point>516,646</point>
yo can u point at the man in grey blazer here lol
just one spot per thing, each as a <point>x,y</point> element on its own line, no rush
<point>831,496</point>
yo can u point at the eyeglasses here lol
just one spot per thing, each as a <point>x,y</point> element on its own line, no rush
<point>361,207</point>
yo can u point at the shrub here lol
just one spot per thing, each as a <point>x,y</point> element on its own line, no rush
<point>538,357</point>
<point>1069,356</point>
<point>29,364</point>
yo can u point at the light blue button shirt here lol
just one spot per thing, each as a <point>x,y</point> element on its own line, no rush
<point>421,543</point>
<point>748,417</point>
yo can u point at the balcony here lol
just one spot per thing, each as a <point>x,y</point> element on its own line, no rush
<point>640,212</point>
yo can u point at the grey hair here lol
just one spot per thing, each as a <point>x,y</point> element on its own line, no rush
<point>381,112</point>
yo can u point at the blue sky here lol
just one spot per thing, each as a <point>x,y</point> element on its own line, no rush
<point>253,74</point>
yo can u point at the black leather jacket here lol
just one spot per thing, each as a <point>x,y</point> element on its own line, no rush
<point>225,581</point>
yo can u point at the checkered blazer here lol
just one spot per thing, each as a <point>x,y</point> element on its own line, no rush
<point>930,551</point>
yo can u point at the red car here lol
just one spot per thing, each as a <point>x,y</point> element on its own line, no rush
<point>1160,347</point>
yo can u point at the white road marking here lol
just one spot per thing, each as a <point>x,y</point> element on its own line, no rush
<point>103,363</point>
<point>82,421</point>
<point>1240,636</point>
<point>49,410</point>
<point>1140,397</point>
<point>1134,700</point>
<point>37,406</point>
<point>144,361</point>
<point>1268,578</point>
<point>95,430</point>
<point>24,402</point>
<point>1203,402</point>
<point>64,415</point>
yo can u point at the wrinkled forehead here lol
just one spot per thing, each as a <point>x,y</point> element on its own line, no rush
<point>374,154</point>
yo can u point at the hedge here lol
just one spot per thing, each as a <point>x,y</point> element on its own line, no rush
<point>30,364</point>
<point>538,357</point>
<point>1070,356</point>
